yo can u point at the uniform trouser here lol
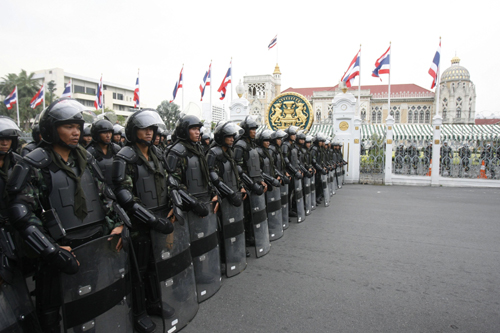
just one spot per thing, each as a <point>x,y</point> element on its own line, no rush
<point>292,204</point>
<point>319,186</point>
<point>145,284</point>
<point>48,297</point>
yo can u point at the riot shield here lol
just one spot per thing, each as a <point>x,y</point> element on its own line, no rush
<point>313,192</point>
<point>234,237</point>
<point>326,191</point>
<point>17,313</point>
<point>205,251</point>
<point>284,205</point>
<point>274,215</point>
<point>307,195</point>
<point>331,182</point>
<point>176,273</point>
<point>98,297</point>
<point>299,200</point>
<point>259,224</point>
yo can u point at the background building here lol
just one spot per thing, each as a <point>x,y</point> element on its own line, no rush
<point>118,97</point>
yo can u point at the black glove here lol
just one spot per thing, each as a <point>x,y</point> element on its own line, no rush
<point>298,175</point>
<point>257,189</point>
<point>162,225</point>
<point>323,172</point>
<point>65,261</point>
<point>235,199</point>
<point>200,209</point>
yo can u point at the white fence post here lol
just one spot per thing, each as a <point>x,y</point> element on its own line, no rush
<point>389,122</point>
<point>356,153</point>
<point>437,121</point>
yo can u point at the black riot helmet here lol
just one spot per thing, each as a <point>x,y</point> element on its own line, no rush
<point>117,129</point>
<point>265,135</point>
<point>87,130</point>
<point>184,124</point>
<point>225,129</point>
<point>292,130</point>
<point>300,135</point>
<point>61,111</point>
<point>205,136</point>
<point>35,133</point>
<point>100,126</point>
<point>9,130</point>
<point>320,138</point>
<point>309,138</point>
<point>142,119</point>
<point>279,134</point>
<point>248,124</point>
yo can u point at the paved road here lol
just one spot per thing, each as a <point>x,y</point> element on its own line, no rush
<point>381,259</point>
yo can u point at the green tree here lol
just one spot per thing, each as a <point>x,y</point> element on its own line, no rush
<point>169,112</point>
<point>27,87</point>
<point>51,88</point>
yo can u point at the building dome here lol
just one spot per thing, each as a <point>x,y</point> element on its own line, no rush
<point>455,72</point>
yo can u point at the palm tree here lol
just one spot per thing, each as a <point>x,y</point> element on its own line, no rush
<point>27,87</point>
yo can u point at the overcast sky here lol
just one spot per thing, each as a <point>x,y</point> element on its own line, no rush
<point>316,40</point>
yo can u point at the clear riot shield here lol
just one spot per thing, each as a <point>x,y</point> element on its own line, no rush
<point>274,215</point>
<point>259,224</point>
<point>284,205</point>
<point>326,191</point>
<point>299,200</point>
<point>17,313</point>
<point>205,252</point>
<point>98,297</point>
<point>331,182</point>
<point>233,229</point>
<point>176,273</point>
<point>313,192</point>
<point>306,182</point>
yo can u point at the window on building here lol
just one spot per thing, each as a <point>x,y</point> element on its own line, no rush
<point>410,116</point>
<point>444,113</point>
<point>421,119</point>
<point>114,95</point>
<point>397,117</point>
<point>392,113</point>
<point>119,97</point>
<point>459,112</point>
<point>121,107</point>
<point>415,117</point>
<point>318,116</point>
<point>363,115</point>
<point>90,91</point>
<point>379,117</point>
<point>427,117</point>
<point>78,89</point>
<point>374,117</point>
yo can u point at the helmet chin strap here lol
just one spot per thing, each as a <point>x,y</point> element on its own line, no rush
<point>65,145</point>
<point>144,142</point>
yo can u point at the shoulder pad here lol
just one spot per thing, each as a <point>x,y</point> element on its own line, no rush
<point>95,168</point>
<point>115,148</point>
<point>127,154</point>
<point>171,161</point>
<point>91,149</point>
<point>39,158</point>
<point>272,148</point>
<point>211,158</point>
<point>242,144</point>
<point>19,177</point>
<point>179,149</point>
<point>17,158</point>
<point>261,152</point>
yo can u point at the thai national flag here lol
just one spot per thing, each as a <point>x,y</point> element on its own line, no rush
<point>136,92</point>
<point>67,90</point>
<point>383,64</point>
<point>352,71</point>
<point>38,98</point>
<point>225,82</point>
<point>206,81</point>
<point>434,70</point>
<point>273,43</point>
<point>178,85</point>
<point>98,98</point>
<point>11,99</point>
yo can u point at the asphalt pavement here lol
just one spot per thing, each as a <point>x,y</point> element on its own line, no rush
<point>379,259</point>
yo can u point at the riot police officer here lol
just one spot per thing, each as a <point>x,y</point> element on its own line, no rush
<point>317,161</point>
<point>399,157</point>
<point>117,134</point>
<point>446,156</point>
<point>291,154</point>
<point>308,160</point>
<point>35,134</point>
<point>465,154</point>
<point>280,168</point>
<point>487,156</point>
<point>102,148</point>
<point>140,186</point>
<point>189,175</point>
<point>273,193</point>
<point>59,203</point>
<point>224,175</point>
<point>306,168</point>
<point>247,158</point>
<point>87,136</point>
<point>205,142</point>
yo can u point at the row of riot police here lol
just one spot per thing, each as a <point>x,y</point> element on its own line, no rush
<point>113,235</point>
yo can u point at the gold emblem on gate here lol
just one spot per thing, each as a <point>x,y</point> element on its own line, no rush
<point>289,109</point>
<point>344,126</point>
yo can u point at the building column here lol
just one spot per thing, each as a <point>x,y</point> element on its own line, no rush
<point>437,121</point>
<point>389,122</point>
<point>356,158</point>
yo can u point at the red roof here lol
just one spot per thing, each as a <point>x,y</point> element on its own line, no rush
<point>487,121</point>
<point>374,89</point>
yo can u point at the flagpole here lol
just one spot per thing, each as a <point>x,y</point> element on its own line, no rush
<point>210,75</point>
<point>232,78</point>
<point>102,93</point>
<point>17,105</point>
<point>438,78</point>
<point>139,86</point>
<point>44,95</point>
<point>359,83</point>
<point>389,89</point>
<point>182,70</point>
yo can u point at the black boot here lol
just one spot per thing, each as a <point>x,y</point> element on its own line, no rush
<point>144,324</point>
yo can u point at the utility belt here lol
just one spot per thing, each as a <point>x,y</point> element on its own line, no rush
<point>77,237</point>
